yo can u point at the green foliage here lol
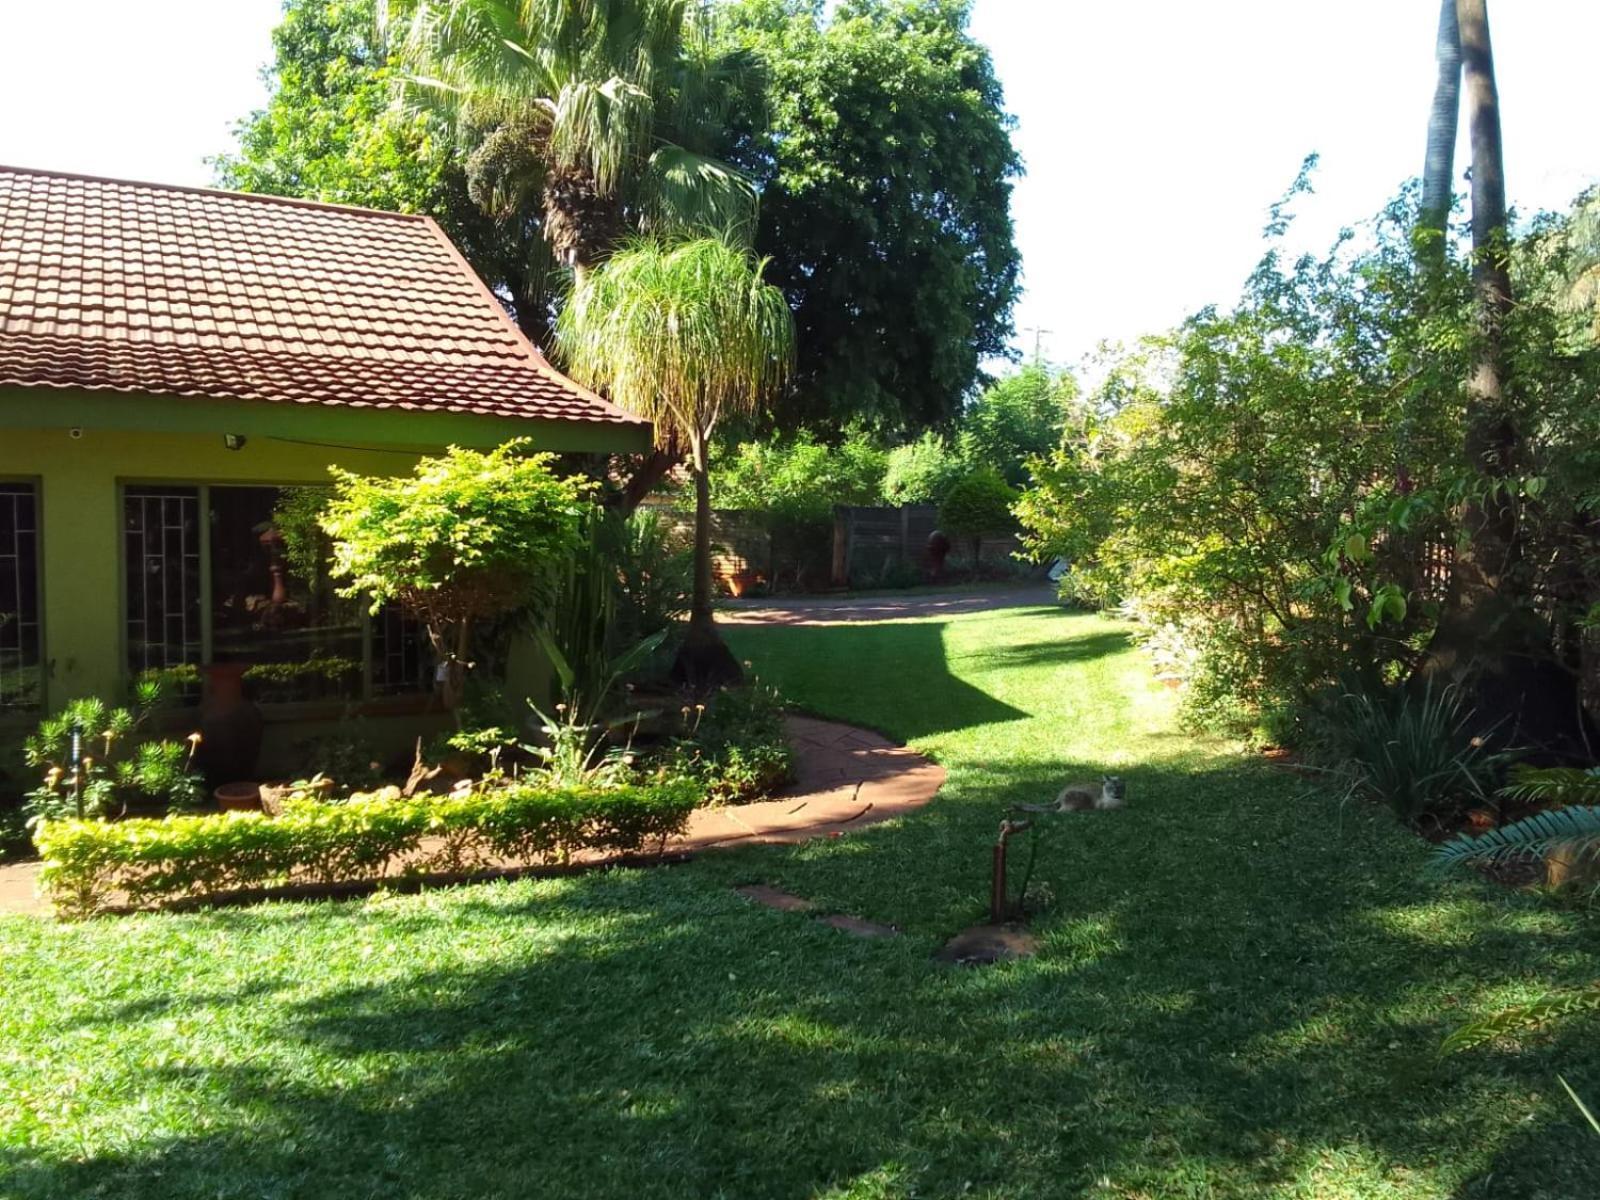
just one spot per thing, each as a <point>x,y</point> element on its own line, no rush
<point>921,472</point>
<point>655,574</point>
<point>737,747</point>
<point>601,111</point>
<point>979,502</point>
<point>1553,785</point>
<point>575,751</point>
<point>119,762</point>
<point>365,838</point>
<point>466,536</point>
<point>682,333</point>
<point>1574,832</point>
<point>1276,479</point>
<point>1521,1018</point>
<point>1415,750</point>
<point>879,142</point>
<point>799,479</point>
<point>1020,417</point>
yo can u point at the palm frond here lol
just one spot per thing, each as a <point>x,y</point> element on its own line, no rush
<point>1521,1018</point>
<point>691,193</point>
<point>1576,831</point>
<point>680,334</point>
<point>1556,785</point>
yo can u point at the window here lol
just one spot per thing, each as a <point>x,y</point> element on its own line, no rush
<point>20,675</point>
<point>252,588</point>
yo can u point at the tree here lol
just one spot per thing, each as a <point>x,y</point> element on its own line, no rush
<point>1017,418</point>
<point>330,132</point>
<point>1438,170</point>
<point>592,106</point>
<point>921,472</point>
<point>465,538</point>
<point>882,149</point>
<point>683,334</point>
<point>979,502</point>
<point>1491,634</point>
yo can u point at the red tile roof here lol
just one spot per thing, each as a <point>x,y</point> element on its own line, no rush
<point>137,287</point>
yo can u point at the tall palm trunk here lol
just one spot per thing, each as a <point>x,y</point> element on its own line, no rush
<point>1438,168</point>
<point>1491,636</point>
<point>1492,439</point>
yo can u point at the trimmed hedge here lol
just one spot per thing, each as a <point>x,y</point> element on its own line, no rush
<point>368,837</point>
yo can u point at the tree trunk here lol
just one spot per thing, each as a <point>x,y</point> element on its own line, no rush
<point>651,470</point>
<point>1492,439</point>
<point>700,604</point>
<point>1491,638</point>
<point>704,662</point>
<point>1438,170</point>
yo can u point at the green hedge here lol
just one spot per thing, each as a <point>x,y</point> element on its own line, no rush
<point>87,863</point>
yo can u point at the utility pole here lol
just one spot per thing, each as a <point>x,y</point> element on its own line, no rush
<point>1038,342</point>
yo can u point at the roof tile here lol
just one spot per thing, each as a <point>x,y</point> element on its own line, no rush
<point>141,288</point>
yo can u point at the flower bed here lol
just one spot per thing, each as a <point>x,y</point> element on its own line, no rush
<point>88,863</point>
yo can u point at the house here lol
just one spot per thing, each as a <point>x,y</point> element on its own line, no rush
<point>177,367</point>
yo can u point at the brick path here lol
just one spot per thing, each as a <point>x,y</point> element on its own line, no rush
<point>846,778</point>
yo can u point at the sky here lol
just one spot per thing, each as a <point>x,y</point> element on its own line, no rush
<point>1155,132</point>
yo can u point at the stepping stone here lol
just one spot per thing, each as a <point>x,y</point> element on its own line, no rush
<point>774,898</point>
<point>859,927</point>
<point>983,945</point>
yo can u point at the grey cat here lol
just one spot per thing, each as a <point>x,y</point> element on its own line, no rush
<point>1077,797</point>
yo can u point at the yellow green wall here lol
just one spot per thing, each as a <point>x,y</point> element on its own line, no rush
<point>81,447</point>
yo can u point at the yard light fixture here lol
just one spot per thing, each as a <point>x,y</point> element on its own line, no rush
<point>234,441</point>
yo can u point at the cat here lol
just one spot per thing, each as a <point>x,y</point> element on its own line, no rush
<point>1077,797</point>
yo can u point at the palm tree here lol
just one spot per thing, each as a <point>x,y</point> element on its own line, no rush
<point>599,109</point>
<point>1438,171</point>
<point>683,334</point>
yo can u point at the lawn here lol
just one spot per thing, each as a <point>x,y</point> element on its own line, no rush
<point>1240,987</point>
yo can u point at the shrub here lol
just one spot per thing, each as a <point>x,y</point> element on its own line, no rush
<point>1415,751</point>
<point>921,472</point>
<point>86,863</point>
<point>737,749</point>
<point>466,538</point>
<point>118,763</point>
<point>978,503</point>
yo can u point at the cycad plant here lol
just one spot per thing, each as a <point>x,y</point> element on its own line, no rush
<point>603,110</point>
<point>683,334</point>
<point>1572,832</point>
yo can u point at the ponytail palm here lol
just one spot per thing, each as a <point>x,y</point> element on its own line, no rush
<point>592,105</point>
<point>683,334</point>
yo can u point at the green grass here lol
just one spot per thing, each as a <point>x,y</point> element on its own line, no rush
<point>1239,992</point>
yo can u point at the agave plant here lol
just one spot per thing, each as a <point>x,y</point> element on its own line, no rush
<point>1415,750</point>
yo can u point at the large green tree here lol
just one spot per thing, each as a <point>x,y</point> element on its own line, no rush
<point>880,142</point>
<point>594,111</point>
<point>331,132</point>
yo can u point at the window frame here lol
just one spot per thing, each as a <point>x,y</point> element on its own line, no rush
<point>41,701</point>
<point>370,700</point>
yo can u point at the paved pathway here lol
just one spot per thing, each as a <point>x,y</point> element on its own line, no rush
<point>845,610</point>
<point>845,778</point>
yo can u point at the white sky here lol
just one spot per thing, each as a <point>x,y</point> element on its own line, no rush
<point>1156,132</point>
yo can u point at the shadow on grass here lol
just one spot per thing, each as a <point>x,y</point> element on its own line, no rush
<point>1232,988</point>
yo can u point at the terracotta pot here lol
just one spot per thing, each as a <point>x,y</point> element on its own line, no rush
<point>230,725</point>
<point>238,797</point>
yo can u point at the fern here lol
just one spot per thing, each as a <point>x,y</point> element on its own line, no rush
<point>1576,830</point>
<point>1521,1018</point>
